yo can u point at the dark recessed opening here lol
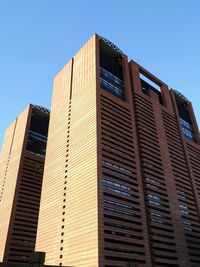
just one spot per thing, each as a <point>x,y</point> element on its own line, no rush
<point>38,131</point>
<point>111,72</point>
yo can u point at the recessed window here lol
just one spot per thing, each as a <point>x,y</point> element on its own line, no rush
<point>153,196</point>
<point>187,129</point>
<point>183,207</point>
<point>111,83</point>
<point>154,202</point>
<point>184,212</point>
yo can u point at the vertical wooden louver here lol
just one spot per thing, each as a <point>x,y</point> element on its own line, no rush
<point>123,226</point>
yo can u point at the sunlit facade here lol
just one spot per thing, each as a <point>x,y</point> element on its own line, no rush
<point>122,173</point>
<point>21,169</point>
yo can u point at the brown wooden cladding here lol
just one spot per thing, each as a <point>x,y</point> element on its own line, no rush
<point>62,86</point>
<point>173,209</point>
<point>120,185</point>
<point>123,232</point>
<point>5,206</point>
<point>22,173</point>
<point>51,202</point>
<point>23,224</point>
<point>68,224</point>
<point>124,229</point>
<point>194,157</point>
<point>84,66</point>
<point>10,156</point>
<point>158,209</point>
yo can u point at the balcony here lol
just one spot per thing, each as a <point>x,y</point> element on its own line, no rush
<point>111,83</point>
<point>187,129</point>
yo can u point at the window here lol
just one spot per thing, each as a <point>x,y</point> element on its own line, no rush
<point>119,211</point>
<point>188,133</point>
<point>152,180</point>
<point>180,196</point>
<point>116,190</point>
<point>183,207</point>
<point>187,223</point>
<point>184,212</point>
<point>152,196</point>
<point>37,136</point>
<point>115,166</point>
<point>156,221</point>
<point>154,202</point>
<point>185,122</point>
<point>111,83</point>
<point>117,204</point>
<point>117,184</point>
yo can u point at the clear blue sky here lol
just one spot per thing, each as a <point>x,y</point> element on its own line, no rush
<point>38,37</point>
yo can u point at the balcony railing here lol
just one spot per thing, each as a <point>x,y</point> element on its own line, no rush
<point>187,129</point>
<point>111,83</point>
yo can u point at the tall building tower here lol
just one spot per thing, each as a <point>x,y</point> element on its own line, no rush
<point>21,171</point>
<point>121,181</point>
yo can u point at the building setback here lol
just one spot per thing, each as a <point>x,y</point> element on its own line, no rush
<point>21,172</point>
<point>122,172</point>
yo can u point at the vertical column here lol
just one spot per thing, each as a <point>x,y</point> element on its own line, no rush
<point>70,188</point>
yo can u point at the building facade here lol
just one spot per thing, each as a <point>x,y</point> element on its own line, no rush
<point>37,259</point>
<point>21,168</point>
<point>122,173</point>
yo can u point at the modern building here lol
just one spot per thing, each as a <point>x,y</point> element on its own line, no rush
<point>21,172</point>
<point>121,182</point>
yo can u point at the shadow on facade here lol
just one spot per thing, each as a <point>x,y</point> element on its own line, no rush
<point>37,259</point>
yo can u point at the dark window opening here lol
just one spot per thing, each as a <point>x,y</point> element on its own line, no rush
<point>37,137</point>
<point>111,73</point>
<point>185,120</point>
